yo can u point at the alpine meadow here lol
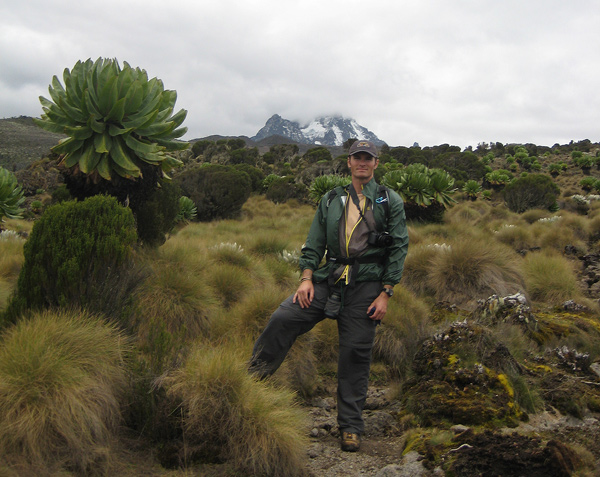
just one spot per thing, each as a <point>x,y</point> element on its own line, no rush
<point>137,270</point>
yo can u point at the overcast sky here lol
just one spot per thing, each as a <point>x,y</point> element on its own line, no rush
<point>441,71</point>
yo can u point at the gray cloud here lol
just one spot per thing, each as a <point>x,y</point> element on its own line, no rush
<point>460,72</point>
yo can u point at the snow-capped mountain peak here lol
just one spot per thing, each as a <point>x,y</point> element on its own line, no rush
<point>326,130</point>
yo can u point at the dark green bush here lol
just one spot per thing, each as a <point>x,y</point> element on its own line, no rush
<point>199,147</point>
<point>61,194</point>
<point>219,192</point>
<point>534,191</point>
<point>244,155</point>
<point>282,189</point>
<point>156,217</point>
<point>256,175</point>
<point>74,251</point>
<point>317,154</point>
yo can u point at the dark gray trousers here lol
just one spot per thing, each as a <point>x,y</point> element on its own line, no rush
<point>356,333</point>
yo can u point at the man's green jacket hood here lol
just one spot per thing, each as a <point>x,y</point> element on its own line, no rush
<point>324,236</point>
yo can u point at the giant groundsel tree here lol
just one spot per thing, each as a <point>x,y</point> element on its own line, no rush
<point>116,120</point>
<point>121,138</point>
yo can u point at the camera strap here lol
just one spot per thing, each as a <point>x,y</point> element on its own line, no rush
<point>356,201</point>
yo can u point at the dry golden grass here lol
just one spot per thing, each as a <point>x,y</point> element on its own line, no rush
<point>550,278</point>
<point>462,269</point>
<point>61,377</point>
<point>253,425</point>
<point>176,297</point>
<point>467,213</point>
<point>405,325</point>
<point>518,237</point>
<point>11,258</point>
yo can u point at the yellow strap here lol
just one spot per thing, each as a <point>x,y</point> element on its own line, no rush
<point>346,273</point>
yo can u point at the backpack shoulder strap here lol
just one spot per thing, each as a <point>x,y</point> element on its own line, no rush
<point>384,198</point>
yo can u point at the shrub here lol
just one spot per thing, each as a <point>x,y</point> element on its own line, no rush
<point>317,154</point>
<point>199,147</point>
<point>75,251</point>
<point>11,196</point>
<point>256,175</point>
<point>61,378</point>
<point>156,217</point>
<point>61,194</point>
<point>282,189</point>
<point>529,192</point>
<point>228,415</point>
<point>219,192</point>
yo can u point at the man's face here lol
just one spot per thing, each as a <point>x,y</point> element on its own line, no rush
<point>362,165</point>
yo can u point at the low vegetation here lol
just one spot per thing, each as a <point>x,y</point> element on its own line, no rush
<point>127,321</point>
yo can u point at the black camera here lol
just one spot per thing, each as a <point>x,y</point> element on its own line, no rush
<point>380,239</point>
<point>333,305</point>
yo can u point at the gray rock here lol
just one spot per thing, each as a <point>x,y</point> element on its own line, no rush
<point>410,466</point>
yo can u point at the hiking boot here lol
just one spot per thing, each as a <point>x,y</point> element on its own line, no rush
<point>350,442</point>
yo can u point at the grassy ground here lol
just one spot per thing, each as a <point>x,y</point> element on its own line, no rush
<point>207,293</point>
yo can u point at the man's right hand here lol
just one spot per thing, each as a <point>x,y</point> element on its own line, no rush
<point>305,294</point>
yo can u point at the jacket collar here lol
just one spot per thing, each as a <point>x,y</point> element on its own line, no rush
<point>370,190</point>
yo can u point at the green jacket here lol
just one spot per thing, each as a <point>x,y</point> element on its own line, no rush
<point>324,237</point>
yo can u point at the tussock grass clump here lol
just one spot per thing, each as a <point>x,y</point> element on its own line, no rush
<point>406,324</point>
<point>231,253</point>
<point>533,215</point>
<point>61,376</point>
<point>550,278</point>
<point>252,425</point>
<point>176,297</point>
<point>472,269</point>
<point>416,268</point>
<point>463,270</point>
<point>11,258</point>
<point>467,212</point>
<point>268,244</point>
<point>250,316</point>
<point>229,283</point>
<point>518,237</point>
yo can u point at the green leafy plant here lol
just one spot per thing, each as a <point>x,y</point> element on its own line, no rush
<point>116,120</point>
<point>472,188</point>
<point>587,183</point>
<point>323,184</point>
<point>11,196</point>
<point>530,192</point>
<point>75,251</point>
<point>187,210</point>
<point>218,191</point>
<point>498,178</point>
<point>426,192</point>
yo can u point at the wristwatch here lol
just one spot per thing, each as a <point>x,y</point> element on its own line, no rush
<point>388,291</point>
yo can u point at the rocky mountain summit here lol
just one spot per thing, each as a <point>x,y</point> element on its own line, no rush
<point>325,131</point>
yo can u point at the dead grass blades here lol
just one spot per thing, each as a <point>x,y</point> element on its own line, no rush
<point>61,376</point>
<point>254,426</point>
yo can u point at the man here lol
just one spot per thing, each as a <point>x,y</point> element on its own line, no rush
<point>362,228</point>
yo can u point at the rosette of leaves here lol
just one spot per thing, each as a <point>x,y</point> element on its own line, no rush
<point>426,192</point>
<point>11,196</point>
<point>187,210</point>
<point>116,119</point>
<point>323,184</point>
<point>472,188</point>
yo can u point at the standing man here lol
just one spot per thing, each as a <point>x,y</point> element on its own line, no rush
<point>362,229</point>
